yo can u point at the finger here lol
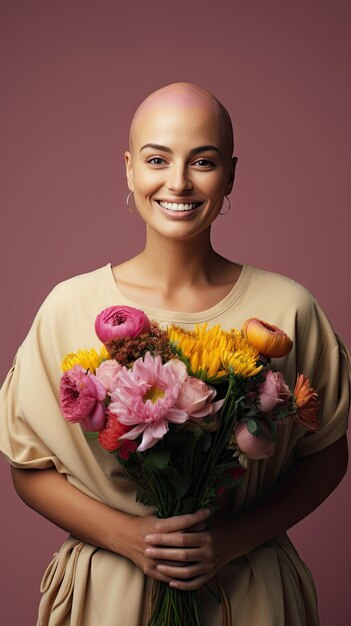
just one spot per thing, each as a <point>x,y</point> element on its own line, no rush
<point>190,585</point>
<point>173,554</point>
<point>159,576</point>
<point>180,522</point>
<point>198,527</point>
<point>155,573</point>
<point>185,572</point>
<point>177,540</point>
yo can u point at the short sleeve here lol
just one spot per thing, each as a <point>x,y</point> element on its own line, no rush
<point>33,433</point>
<point>328,366</point>
<point>19,442</point>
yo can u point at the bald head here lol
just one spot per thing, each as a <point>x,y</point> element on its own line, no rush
<point>184,98</point>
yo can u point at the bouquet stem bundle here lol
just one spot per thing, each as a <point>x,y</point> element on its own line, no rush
<point>182,474</point>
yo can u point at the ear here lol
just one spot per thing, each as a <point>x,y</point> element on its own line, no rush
<point>129,170</point>
<point>230,183</point>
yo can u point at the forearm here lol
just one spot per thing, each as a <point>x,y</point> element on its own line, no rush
<point>296,495</point>
<point>51,495</point>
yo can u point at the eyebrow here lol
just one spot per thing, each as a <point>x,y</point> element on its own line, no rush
<point>156,146</point>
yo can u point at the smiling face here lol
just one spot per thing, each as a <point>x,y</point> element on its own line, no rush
<point>180,164</point>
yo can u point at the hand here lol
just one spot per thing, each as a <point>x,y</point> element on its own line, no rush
<point>189,558</point>
<point>169,530</point>
<point>198,556</point>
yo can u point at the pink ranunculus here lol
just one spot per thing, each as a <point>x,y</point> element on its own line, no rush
<point>195,397</point>
<point>273,391</point>
<point>82,398</point>
<point>107,374</point>
<point>254,447</point>
<point>118,322</point>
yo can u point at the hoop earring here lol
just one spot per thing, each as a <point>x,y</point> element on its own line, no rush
<point>228,209</point>
<point>129,209</point>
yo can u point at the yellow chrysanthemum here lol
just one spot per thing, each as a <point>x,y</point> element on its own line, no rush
<point>87,359</point>
<point>213,352</point>
<point>238,342</point>
<point>241,363</point>
<point>202,347</point>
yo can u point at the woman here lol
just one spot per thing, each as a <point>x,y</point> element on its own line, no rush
<point>180,169</point>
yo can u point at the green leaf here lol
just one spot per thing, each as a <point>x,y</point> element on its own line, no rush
<point>181,484</point>
<point>252,426</point>
<point>90,436</point>
<point>272,428</point>
<point>157,460</point>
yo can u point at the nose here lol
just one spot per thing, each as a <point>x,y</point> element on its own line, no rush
<point>179,180</point>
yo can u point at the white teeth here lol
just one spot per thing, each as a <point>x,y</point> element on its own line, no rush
<point>173,206</point>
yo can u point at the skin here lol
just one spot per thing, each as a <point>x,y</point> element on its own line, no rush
<point>179,270</point>
<point>178,264</point>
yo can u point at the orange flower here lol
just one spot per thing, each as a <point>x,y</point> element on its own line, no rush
<point>307,403</point>
<point>268,340</point>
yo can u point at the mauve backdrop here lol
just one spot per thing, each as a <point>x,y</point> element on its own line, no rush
<point>72,74</point>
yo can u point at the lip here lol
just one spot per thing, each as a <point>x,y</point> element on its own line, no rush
<point>178,200</point>
<point>179,215</point>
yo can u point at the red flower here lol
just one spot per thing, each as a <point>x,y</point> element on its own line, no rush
<point>236,473</point>
<point>109,437</point>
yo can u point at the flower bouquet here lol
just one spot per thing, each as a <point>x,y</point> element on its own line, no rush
<point>182,411</point>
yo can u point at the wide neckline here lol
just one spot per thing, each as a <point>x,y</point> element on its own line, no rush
<point>180,316</point>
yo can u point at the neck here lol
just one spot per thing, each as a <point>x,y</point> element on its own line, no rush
<point>179,262</point>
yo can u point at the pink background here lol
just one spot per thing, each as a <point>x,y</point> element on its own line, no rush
<point>72,74</point>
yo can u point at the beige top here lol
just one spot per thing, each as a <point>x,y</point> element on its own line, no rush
<point>85,585</point>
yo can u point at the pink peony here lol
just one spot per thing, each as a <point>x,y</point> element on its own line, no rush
<point>82,398</point>
<point>273,391</point>
<point>119,322</point>
<point>195,397</point>
<point>254,447</point>
<point>107,374</point>
<point>144,400</point>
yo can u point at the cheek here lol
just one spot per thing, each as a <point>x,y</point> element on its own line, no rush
<point>146,183</point>
<point>212,184</point>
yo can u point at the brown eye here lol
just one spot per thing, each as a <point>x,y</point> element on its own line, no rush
<point>204,163</point>
<point>156,161</point>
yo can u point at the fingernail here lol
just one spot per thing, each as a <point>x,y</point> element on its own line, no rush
<point>161,568</point>
<point>149,552</point>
